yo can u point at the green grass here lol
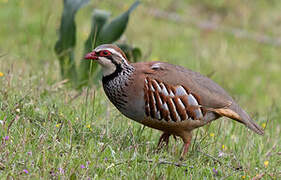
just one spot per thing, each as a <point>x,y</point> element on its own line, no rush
<point>54,130</point>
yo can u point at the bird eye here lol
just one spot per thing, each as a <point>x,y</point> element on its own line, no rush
<point>104,53</point>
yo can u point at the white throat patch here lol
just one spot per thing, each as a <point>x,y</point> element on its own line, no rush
<point>107,66</point>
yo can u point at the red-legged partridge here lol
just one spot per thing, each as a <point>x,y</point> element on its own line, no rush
<point>163,96</point>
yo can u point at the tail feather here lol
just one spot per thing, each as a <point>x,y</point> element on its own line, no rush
<point>247,120</point>
<point>235,112</point>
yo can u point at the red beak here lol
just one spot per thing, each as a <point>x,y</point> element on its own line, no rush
<point>91,55</point>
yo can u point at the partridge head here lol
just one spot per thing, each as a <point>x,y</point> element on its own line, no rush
<point>170,98</point>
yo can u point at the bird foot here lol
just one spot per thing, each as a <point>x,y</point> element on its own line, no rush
<point>163,141</point>
<point>185,147</point>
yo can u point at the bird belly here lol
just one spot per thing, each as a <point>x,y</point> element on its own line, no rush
<point>176,128</point>
<point>134,110</point>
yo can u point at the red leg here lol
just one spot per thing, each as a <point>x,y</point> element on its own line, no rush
<point>187,142</point>
<point>163,138</point>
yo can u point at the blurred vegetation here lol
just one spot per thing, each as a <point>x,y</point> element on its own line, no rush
<point>102,32</point>
<point>51,131</point>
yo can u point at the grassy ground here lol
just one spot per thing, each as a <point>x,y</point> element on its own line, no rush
<point>50,131</point>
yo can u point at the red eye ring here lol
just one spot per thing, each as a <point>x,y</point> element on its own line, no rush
<point>105,53</point>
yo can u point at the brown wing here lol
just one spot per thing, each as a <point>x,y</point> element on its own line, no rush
<point>208,92</point>
<point>209,95</point>
<point>171,103</point>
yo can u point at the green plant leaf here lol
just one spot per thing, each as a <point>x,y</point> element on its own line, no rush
<point>102,32</point>
<point>112,31</point>
<point>99,18</point>
<point>136,54</point>
<point>133,54</point>
<point>64,47</point>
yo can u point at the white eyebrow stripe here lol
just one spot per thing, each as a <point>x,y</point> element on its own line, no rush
<point>113,51</point>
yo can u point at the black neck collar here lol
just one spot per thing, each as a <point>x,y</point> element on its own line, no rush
<point>106,79</point>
